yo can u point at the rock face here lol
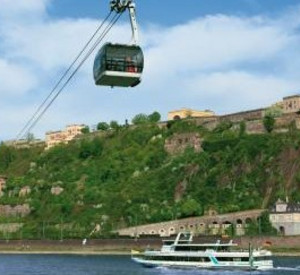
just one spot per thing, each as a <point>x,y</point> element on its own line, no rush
<point>56,190</point>
<point>179,142</point>
<point>2,184</point>
<point>180,190</point>
<point>24,191</point>
<point>10,227</point>
<point>18,210</point>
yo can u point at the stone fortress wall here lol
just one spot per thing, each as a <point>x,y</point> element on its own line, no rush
<point>289,113</point>
<point>208,224</point>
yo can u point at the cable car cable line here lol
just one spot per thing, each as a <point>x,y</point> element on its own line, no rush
<point>120,65</point>
<point>38,114</point>
<point>20,134</point>
<point>113,21</point>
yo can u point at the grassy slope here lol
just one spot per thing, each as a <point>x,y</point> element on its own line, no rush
<point>126,178</point>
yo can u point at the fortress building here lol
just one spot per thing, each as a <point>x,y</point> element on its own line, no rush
<point>291,104</point>
<point>285,217</point>
<point>185,113</point>
<point>58,137</point>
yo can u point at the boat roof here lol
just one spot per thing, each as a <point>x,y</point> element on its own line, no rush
<point>186,243</point>
<point>205,244</point>
<point>209,244</point>
<point>186,238</point>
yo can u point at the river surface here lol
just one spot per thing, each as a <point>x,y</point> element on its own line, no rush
<point>116,265</point>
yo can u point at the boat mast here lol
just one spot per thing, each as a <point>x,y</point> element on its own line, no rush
<point>251,259</point>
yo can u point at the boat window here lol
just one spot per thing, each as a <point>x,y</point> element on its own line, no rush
<point>168,242</point>
<point>224,248</point>
<point>190,248</point>
<point>177,258</point>
<point>262,258</point>
<point>232,259</point>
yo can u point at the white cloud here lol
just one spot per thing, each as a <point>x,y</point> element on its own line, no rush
<point>215,42</point>
<point>15,79</point>
<point>223,63</point>
<point>238,90</point>
<point>22,10</point>
<point>51,45</point>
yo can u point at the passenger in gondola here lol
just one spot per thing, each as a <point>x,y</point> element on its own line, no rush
<point>130,67</point>
<point>109,65</point>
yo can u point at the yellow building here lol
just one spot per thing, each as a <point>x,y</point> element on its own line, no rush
<point>185,112</point>
<point>57,137</point>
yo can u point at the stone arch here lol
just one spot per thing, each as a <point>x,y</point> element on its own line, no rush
<point>171,230</point>
<point>239,227</point>
<point>181,227</point>
<point>226,224</point>
<point>202,228</point>
<point>176,117</point>
<point>227,228</point>
<point>162,232</point>
<point>152,232</point>
<point>282,230</point>
<point>215,228</point>
<point>239,223</point>
<point>248,220</point>
<point>191,226</point>
<point>215,224</point>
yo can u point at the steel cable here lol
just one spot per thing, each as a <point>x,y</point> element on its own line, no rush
<point>35,117</point>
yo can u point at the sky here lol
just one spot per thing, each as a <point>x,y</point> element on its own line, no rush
<point>226,56</point>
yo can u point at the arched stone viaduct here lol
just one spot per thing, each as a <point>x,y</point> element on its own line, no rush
<point>210,224</point>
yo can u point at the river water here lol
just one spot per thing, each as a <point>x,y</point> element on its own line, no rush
<point>116,265</point>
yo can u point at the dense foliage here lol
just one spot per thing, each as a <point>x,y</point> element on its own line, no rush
<point>123,176</point>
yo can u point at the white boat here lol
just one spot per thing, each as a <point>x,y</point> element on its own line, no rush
<point>183,253</point>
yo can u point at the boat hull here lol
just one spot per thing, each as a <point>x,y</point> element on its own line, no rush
<point>265,265</point>
<point>183,253</point>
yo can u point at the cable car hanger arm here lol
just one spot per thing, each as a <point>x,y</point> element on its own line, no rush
<point>120,6</point>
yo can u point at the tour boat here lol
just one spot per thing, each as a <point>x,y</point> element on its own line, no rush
<point>183,253</point>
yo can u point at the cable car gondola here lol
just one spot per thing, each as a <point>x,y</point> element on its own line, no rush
<point>120,65</point>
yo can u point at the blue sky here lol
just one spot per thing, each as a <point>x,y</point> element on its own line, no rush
<point>223,55</point>
<point>167,12</point>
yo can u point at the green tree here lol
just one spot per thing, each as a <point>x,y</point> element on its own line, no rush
<point>223,126</point>
<point>190,208</point>
<point>90,148</point>
<point>114,125</point>
<point>140,119</point>
<point>154,117</point>
<point>274,111</point>
<point>102,126</point>
<point>6,156</point>
<point>85,130</point>
<point>242,129</point>
<point>269,123</point>
<point>265,226</point>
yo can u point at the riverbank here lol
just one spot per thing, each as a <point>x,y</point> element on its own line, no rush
<point>104,247</point>
<point>106,253</point>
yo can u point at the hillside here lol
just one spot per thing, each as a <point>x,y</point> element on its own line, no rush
<point>124,177</point>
